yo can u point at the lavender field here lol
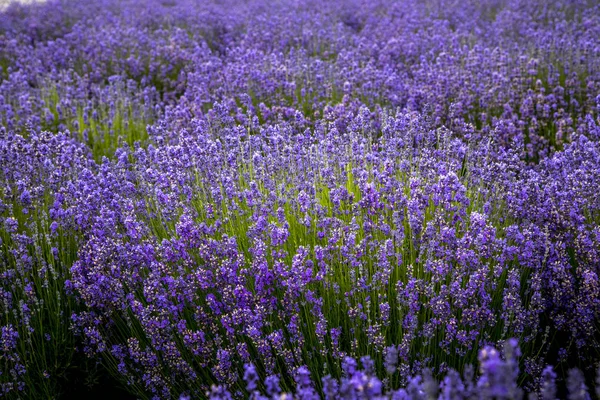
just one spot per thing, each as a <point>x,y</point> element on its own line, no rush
<point>297,199</point>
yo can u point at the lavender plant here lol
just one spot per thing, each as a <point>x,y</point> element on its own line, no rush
<point>361,199</point>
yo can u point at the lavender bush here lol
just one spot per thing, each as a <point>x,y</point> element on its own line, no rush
<point>358,199</point>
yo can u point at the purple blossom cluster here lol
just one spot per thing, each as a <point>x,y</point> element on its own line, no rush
<point>496,380</point>
<point>229,200</point>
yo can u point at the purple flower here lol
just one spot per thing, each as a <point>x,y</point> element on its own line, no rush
<point>251,377</point>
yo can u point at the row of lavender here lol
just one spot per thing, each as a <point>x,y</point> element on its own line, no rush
<point>497,379</point>
<point>188,189</point>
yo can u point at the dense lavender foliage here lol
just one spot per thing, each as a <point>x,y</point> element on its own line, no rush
<point>356,199</point>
